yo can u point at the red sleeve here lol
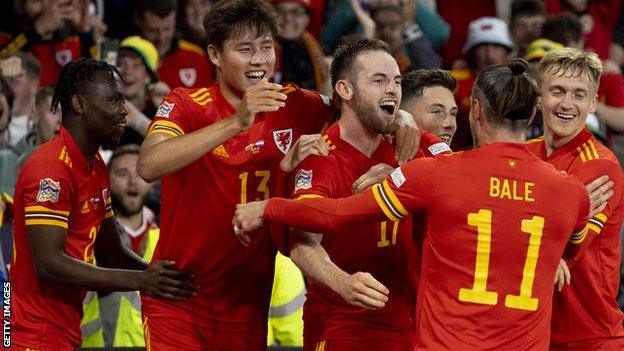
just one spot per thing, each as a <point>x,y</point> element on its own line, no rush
<point>313,178</point>
<point>431,145</point>
<point>404,191</point>
<point>172,116</point>
<point>583,239</point>
<point>48,193</point>
<point>323,214</point>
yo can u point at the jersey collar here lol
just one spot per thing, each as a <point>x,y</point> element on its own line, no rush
<point>571,145</point>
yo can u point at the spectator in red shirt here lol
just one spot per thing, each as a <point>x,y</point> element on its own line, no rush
<point>183,64</point>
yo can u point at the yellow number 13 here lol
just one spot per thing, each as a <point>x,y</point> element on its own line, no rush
<point>479,293</point>
<point>262,187</point>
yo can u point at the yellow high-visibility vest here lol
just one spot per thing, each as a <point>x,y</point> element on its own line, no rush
<point>129,323</point>
<point>286,309</point>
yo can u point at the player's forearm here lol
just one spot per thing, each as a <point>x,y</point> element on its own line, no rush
<point>67,270</point>
<point>320,215</point>
<point>613,116</point>
<point>161,156</point>
<point>315,263</point>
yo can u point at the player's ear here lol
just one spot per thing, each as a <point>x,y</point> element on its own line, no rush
<point>344,89</point>
<point>77,103</point>
<point>476,110</point>
<point>593,104</point>
<point>214,54</point>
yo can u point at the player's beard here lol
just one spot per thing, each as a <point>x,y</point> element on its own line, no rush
<point>371,115</point>
<point>123,209</point>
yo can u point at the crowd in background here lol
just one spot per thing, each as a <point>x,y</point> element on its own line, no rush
<point>158,45</point>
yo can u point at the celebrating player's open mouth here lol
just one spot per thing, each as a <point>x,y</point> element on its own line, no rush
<point>255,76</point>
<point>388,107</point>
<point>565,116</point>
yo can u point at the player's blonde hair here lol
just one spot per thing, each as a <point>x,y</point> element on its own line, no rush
<point>570,61</point>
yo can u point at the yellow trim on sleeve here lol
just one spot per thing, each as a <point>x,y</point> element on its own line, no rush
<point>578,238</point>
<point>594,227</point>
<point>309,196</point>
<point>39,208</point>
<point>169,124</point>
<point>109,214</point>
<point>51,222</point>
<point>394,199</point>
<point>163,131</point>
<point>382,204</point>
<point>601,217</point>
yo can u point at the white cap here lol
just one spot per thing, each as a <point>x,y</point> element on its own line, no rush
<point>488,30</point>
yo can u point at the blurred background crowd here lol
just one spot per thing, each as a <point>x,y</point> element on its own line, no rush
<point>158,45</point>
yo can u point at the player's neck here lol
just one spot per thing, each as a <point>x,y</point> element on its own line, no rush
<point>502,136</point>
<point>231,95</point>
<point>356,133</point>
<point>85,144</point>
<point>554,142</point>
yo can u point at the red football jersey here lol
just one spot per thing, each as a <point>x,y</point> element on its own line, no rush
<point>54,55</point>
<point>383,249</point>
<point>56,187</point>
<point>186,66</point>
<point>198,204</point>
<point>586,314</point>
<point>493,241</point>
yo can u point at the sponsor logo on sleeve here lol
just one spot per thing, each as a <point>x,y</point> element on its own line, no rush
<point>49,190</point>
<point>397,177</point>
<point>165,109</point>
<point>283,139</point>
<point>439,148</point>
<point>303,180</point>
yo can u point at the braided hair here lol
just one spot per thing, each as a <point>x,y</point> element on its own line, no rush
<point>75,78</point>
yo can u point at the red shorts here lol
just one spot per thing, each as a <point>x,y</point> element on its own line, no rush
<point>357,345</point>
<point>164,334</point>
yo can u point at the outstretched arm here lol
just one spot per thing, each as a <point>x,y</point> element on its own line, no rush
<point>53,265</point>
<point>314,215</point>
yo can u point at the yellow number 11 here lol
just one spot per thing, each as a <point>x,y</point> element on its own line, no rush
<point>479,293</point>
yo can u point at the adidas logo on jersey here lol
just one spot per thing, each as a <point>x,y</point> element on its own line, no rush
<point>220,151</point>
